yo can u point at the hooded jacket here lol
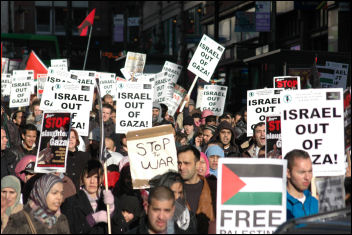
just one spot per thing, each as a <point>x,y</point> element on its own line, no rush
<point>233,149</point>
<point>295,208</point>
<point>156,105</point>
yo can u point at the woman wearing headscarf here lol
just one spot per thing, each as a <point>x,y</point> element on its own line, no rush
<point>86,211</point>
<point>42,212</point>
<point>10,195</point>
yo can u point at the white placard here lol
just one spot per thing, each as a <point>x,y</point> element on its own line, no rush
<point>331,191</point>
<point>151,152</point>
<point>251,195</point>
<point>312,120</point>
<point>177,97</point>
<point>199,97</point>
<point>26,73</point>
<point>76,99</point>
<point>162,87</point>
<point>340,74</point>
<point>214,98</point>
<point>107,84</point>
<point>59,64</point>
<point>135,104</point>
<point>135,62</point>
<point>206,58</point>
<point>6,80</point>
<point>54,76</point>
<point>41,79</point>
<point>261,103</point>
<point>20,91</point>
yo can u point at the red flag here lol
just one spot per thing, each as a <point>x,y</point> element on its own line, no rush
<point>88,21</point>
<point>34,63</point>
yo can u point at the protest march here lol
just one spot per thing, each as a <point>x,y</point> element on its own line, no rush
<point>91,152</point>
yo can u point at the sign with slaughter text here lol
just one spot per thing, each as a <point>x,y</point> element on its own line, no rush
<point>312,120</point>
<point>206,58</point>
<point>261,103</point>
<point>53,143</point>
<point>20,91</point>
<point>135,105</point>
<point>288,82</point>
<point>214,98</point>
<point>273,137</point>
<point>151,152</point>
<point>251,195</point>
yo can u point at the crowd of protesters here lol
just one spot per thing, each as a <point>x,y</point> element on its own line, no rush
<point>177,202</point>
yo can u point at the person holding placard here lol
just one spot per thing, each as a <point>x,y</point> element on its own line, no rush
<point>86,211</point>
<point>300,202</point>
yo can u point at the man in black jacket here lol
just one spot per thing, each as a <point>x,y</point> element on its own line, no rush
<point>226,136</point>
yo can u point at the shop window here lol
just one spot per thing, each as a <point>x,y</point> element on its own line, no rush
<point>43,19</point>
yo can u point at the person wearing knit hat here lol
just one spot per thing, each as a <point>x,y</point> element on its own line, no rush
<point>213,153</point>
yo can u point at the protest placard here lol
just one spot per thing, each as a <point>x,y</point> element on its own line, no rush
<point>76,99</point>
<point>206,58</point>
<point>41,79</point>
<point>273,137</point>
<point>331,191</point>
<point>59,64</point>
<point>162,87</point>
<point>312,120</point>
<point>54,76</point>
<point>173,70</point>
<point>53,143</point>
<point>261,103</point>
<point>199,96</point>
<point>214,98</point>
<point>135,62</point>
<point>84,77</point>
<point>4,65</point>
<point>251,195</point>
<point>20,91</point>
<point>347,117</point>
<point>177,97</point>
<point>288,82</point>
<point>107,84</point>
<point>26,73</point>
<point>134,109</point>
<point>340,73</point>
<point>151,152</point>
<point>6,80</point>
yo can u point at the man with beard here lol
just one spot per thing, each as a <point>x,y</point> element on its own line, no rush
<point>156,113</point>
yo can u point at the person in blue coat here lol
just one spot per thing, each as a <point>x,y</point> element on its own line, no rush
<point>300,202</point>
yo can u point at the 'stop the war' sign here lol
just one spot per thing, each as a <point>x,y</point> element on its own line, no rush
<point>206,58</point>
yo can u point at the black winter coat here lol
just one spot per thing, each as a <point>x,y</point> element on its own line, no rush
<point>76,209</point>
<point>76,161</point>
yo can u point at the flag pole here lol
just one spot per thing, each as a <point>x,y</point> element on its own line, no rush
<point>85,58</point>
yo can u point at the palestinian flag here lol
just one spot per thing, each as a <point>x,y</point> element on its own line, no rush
<point>252,184</point>
<point>35,64</point>
<point>88,21</point>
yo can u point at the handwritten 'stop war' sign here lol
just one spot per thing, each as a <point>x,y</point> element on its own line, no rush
<point>206,58</point>
<point>151,152</point>
<point>288,82</point>
<point>312,120</point>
